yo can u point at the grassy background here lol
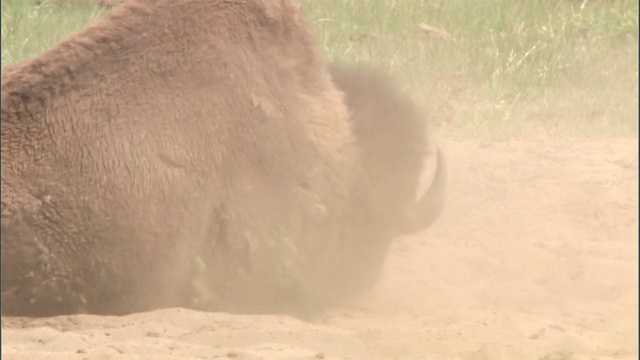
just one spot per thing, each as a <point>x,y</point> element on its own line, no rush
<point>506,68</point>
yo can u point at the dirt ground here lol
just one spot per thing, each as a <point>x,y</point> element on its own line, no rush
<point>536,257</point>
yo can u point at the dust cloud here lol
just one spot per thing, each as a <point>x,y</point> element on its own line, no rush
<point>535,257</point>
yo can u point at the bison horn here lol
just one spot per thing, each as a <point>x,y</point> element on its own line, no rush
<point>429,206</point>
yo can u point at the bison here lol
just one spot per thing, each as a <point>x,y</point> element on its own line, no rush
<point>201,153</point>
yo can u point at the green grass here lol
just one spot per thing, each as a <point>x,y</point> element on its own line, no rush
<point>28,29</point>
<point>503,44</point>
<point>511,68</point>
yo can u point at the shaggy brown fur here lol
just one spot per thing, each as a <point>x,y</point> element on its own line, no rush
<point>172,134</point>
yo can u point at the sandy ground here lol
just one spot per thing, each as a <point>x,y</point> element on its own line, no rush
<point>536,257</point>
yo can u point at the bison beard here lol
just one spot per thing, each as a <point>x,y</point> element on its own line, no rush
<point>201,154</point>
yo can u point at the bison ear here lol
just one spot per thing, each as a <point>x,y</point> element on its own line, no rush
<point>427,209</point>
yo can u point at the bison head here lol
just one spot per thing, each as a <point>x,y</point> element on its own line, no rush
<point>391,133</point>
